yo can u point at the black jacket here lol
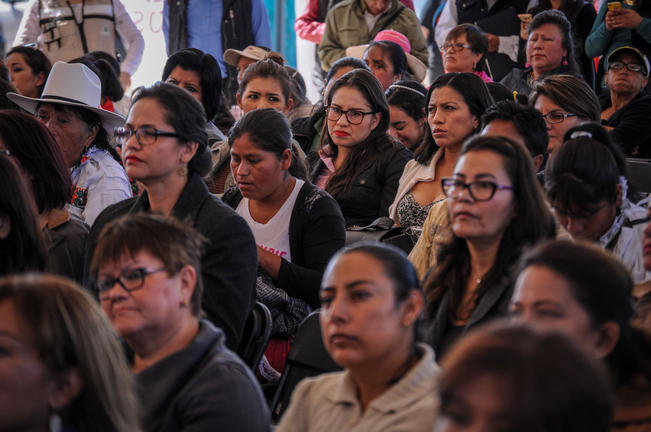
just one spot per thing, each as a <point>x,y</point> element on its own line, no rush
<point>202,387</point>
<point>631,125</point>
<point>316,232</point>
<point>229,261</point>
<point>373,190</point>
<point>493,304</point>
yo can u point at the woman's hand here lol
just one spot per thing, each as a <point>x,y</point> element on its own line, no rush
<point>493,42</point>
<point>269,262</point>
<point>622,18</point>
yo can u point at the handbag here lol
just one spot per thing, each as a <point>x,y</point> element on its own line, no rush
<point>381,230</point>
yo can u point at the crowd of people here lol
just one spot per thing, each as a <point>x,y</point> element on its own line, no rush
<point>457,211</point>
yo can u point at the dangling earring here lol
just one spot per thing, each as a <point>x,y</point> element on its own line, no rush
<point>564,62</point>
<point>56,425</point>
<point>527,65</point>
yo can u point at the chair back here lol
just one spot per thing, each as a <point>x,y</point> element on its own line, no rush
<point>257,331</point>
<point>307,357</point>
<point>640,173</point>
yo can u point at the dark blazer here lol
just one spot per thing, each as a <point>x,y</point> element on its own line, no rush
<point>66,241</point>
<point>316,232</point>
<point>374,189</point>
<point>229,261</point>
<point>493,304</point>
<point>203,387</point>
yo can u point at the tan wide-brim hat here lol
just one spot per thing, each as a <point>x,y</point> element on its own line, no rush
<point>414,66</point>
<point>72,84</point>
<point>253,52</point>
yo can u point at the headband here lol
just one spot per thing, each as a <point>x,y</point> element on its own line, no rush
<point>406,88</point>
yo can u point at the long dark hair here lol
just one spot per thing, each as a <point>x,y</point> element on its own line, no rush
<point>378,142</point>
<point>23,249</point>
<point>38,154</point>
<point>475,94</point>
<point>604,288</point>
<point>532,222</point>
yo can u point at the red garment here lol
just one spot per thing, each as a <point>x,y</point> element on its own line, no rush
<point>108,105</point>
<point>309,28</point>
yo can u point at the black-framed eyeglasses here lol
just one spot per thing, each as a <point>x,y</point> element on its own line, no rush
<point>144,134</point>
<point>5,152</point>
<point>632,67</point>
<point>354,117</point>
<point>480,190</point>
<point>456,46</point>
<point>555,117</point>
<point>130,279</point>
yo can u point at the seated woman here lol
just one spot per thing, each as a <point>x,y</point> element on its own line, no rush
<point>359,163</point>
<point>550,51</point>
<point>40,159</point>
<point>389,57</point>
<point>28,70</point>
<point>307,131</point>
<point>516,378</point>
<point>564,101</point>
<point>198,73</point>
<point>407,100</point>
<point>68,107</point>
<point>22,247</point>
<point>62,366</point>
<point>265,84</point>
<point>456,102</point>
<point>584,292</point>
<point>581,15</point>
<point>164,148</point>
<point>464,50</point>
<point>497,209</point>
<point>587,186</point>
<point>371,301</point>
<point>296,226</point>
<point>148,277</point>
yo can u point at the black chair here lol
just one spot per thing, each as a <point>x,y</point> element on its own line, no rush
<point>307,357</point>
<point>640,174</point>
<point>255,336</point>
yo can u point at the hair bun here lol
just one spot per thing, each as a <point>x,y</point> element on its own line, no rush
<point>276,57</point>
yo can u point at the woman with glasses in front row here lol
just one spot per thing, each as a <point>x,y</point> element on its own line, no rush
<point>164,147</point>
<point>358,163</point>
<point>496,209</point>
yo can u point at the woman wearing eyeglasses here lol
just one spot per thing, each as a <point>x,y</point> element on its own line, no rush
<point>149,281</point>
<point>550,51</point>
<point>359,163</point>
<point>164,148</point>
<point>464,49</point>
<point>496,209</point>
<point>564,101</point>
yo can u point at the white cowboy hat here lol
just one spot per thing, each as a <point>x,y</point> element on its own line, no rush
<point>71,84</point>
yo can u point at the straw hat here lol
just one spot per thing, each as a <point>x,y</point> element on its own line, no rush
<point>71,84</point>
<point>253,52</point>
<point>416,67</point>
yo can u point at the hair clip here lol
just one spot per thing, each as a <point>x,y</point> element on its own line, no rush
<point>579,134</point>
<point>515,96</point>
